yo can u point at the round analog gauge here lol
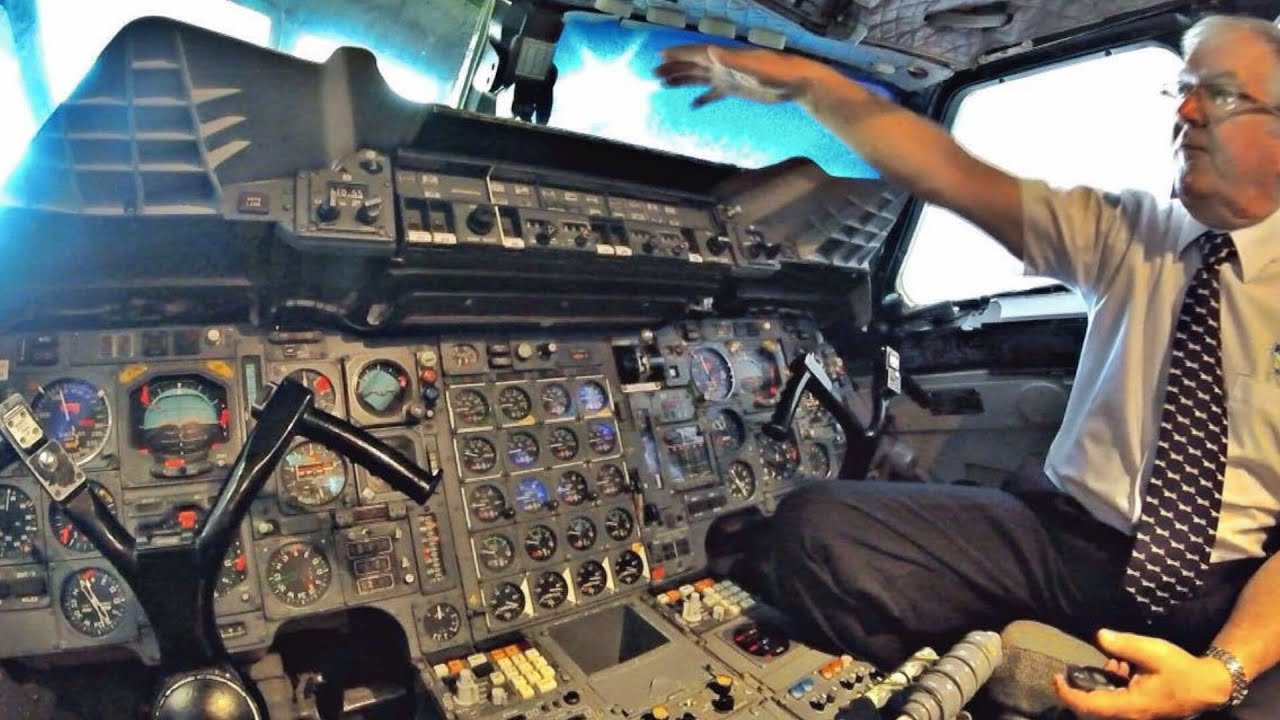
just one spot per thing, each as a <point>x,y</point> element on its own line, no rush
<point>471,408</point>
<point>496,552</point>
<point>487,503</point>
<point>179,418</point>
<point>478,455</point>
<point>442,622</point>
<point>781,458</point>
<point>591,578</point>
<point>551,590</point>
<point>556,402</point>
<point>610,480</point>
<point>515,403</point>
<point>93,601</point>
<point>506,602</point>
<point>710,373</point>
<point>563,443</point>
<point>581,533</point>
<point>67,534</point>
<point>602,436</point>
<point>532,495</point>
<point>326,395</point>
<point>572,488</point>
<point>817,460</point>
<point>742,481</point>
<point>235,568</point>
<point>382,387</point>
<point>76,414</point>
<point>522,449</point>
<point>298,574</point>
<point>592,398</point>
<point>727,431</point>
<point>619,524</point>
<point>464,356</point>
<point>18,524</point>
<point>628,567</point>
<point>540,542</point>
<point>313,475</point>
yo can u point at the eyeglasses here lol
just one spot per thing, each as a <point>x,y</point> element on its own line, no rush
<point>1220,100</point>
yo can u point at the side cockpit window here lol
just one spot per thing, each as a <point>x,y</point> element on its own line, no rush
<point>17,123</point>
<point>1095,121</point>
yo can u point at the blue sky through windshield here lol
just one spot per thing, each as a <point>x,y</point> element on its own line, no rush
<point>607,88</point>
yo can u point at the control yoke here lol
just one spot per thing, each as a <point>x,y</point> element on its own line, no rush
<point>179,603</point>
<point>808,373</point>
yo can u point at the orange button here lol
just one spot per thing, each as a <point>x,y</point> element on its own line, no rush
<point>429,375</point>
<point>456,666</point>
<point>703,584</point>
<point>658,572</point>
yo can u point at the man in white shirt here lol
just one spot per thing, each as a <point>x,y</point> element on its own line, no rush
<point>1165,476</point>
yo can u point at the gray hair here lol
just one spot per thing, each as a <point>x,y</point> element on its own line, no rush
<point>1217,25</point>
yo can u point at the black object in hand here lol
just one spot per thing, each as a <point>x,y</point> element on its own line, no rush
<point>1089,678</point>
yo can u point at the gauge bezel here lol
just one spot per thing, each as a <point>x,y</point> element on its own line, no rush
<point>719,350</point>
<point>290,504</point>
<point>136,465</point>
<point>68,636</point>
<point>615,558</point>
<point>610,587</point>
<point>104,391</point>
<point>585,438</point>
<point>576,388</point>
<point>279,371</point>
<point>756,481</point>
<point>460,441</point>
<point>508,438</point>
<point>421,606</point>
<point>542,510</point>
<point>533,417</point>
<point>564,574</point>
<point>541,386</point>
<point>38,500</point>
<point>458,423</point>
<point>487,592</point>
<point>365,416</point>
<point>609,541</point>
<point>578,455</point>
<point>273,607</point>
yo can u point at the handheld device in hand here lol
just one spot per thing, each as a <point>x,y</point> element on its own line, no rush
<point>1089,678</point>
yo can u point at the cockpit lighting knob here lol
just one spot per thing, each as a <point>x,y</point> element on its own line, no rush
<point>370,211</point>
<point>327,212</point>
<point>482,220</point>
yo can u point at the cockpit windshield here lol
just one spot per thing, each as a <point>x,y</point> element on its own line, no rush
<point>606,88</point>
<point>426,52</point>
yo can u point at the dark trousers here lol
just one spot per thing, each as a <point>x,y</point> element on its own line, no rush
<point>882,569</point>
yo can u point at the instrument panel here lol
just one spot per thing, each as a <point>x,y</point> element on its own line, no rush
<point>571,481</point>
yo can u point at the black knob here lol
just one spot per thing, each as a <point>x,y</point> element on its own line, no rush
<point>370,211</point>
<point>771,250</point>
<point>482,219</point>
<point>509,513</point>
<point>755,250</point>
<point>717,245</point>
<point>582,239</point>
<point>431,394</point>
<point>677,250</point>
<point>547,349</point>
<point>327,212</point>
<point>818,703</point>
<point>649,247</point>
<point>723,703</point>
<point>543,237</point>
<point>572,697</point>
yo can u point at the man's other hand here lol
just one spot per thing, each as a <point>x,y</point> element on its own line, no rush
<point>760,75</point>
<point>1165,681</point>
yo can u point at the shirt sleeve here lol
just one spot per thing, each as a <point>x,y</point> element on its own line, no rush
<point>1076,236</point>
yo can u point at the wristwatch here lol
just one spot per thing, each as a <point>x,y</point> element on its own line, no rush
<point>1239,684</point>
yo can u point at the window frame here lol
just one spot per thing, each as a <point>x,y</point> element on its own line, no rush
<point>1036,303</point>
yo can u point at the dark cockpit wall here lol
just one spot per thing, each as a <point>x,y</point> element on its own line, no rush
<point>589,339</point>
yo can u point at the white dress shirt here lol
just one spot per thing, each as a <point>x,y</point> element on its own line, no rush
<point>1128,256</point>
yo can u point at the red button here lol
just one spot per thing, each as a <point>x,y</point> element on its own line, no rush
<point>187,519</point>
<point>429,375</point>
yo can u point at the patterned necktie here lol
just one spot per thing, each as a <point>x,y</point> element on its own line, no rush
<point>1179,519</point>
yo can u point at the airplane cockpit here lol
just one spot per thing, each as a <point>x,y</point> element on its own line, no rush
<point>426,359</point>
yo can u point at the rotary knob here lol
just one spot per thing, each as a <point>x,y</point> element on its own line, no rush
<point>482,219</point>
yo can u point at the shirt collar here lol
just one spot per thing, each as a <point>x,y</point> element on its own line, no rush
<point>1258,245</point>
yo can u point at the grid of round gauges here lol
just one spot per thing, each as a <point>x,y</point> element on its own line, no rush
<point>536,448</point>
<point>492,406</point>
<point>522,546</point>
<point>552,588</point>
<point>77,414</point>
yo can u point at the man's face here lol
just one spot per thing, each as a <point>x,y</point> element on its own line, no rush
<point>1229,162</point>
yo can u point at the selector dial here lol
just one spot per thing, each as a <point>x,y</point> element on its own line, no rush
<point>482,219</point>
